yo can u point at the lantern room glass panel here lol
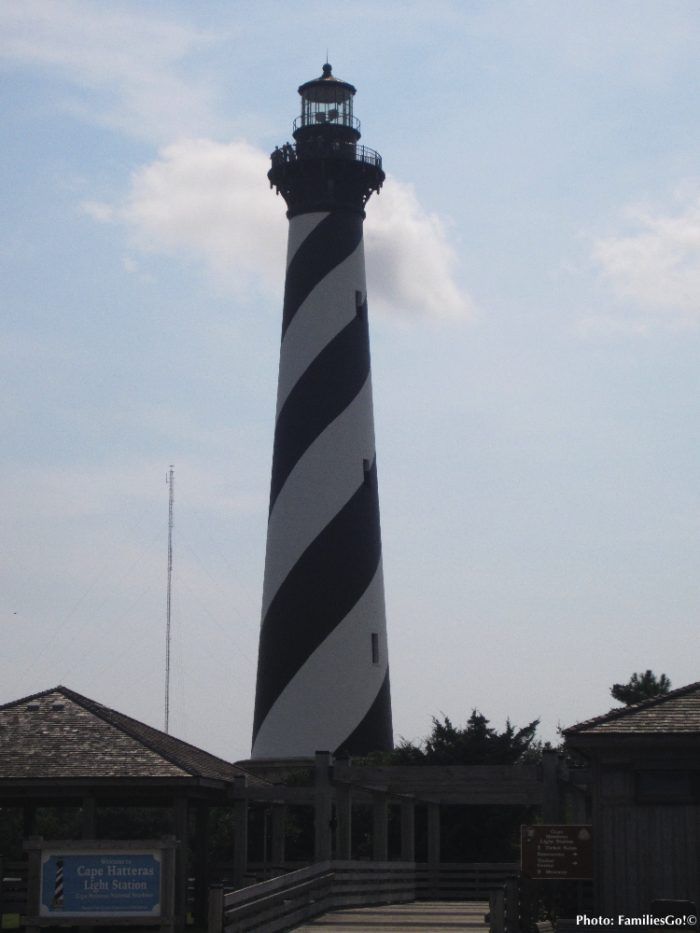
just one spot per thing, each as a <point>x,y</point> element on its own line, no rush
<point>329,103</point>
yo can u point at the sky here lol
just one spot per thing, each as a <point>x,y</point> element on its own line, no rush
<point>533,266</point>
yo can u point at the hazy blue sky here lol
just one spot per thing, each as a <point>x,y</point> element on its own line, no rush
<point>534,293</point>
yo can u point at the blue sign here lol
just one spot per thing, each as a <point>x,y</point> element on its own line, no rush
<point>107,883</point>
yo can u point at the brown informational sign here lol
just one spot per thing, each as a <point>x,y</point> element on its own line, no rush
<point>556,853</point>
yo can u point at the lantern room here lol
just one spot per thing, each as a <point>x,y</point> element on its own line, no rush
<point>326,102</point>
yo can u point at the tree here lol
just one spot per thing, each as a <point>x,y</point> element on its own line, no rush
<point>641,687</point>
<point>477,743</point>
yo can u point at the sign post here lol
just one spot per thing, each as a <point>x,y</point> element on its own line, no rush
<point>97,882</point>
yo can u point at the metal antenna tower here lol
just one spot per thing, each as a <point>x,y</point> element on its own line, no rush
<point>170,480</point>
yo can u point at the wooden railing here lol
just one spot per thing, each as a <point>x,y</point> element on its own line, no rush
<point>461,881</point>
<point>283,902</point>
<point>446,881</point>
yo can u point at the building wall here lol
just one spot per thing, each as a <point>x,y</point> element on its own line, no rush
<point>644,850</point>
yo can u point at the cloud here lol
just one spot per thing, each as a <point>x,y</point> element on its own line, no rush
<point>128,66</point>
<point>657,266</point>
<point>210,202</point>
<point>411,263</point>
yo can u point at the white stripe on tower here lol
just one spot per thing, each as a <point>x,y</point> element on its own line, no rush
<point>337,692</point>
<point>317,488</point>
<point>329,307</point>
<point>323,666</point>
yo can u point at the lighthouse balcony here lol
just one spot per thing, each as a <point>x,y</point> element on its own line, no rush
<point>318,147</point>
<point>332,117</point>
<point>320,173</point>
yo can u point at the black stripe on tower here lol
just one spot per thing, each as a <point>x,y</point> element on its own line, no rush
<point>328,244</point>
<point>375,731</point>
<point>320,590</point>
<point>322,393</point>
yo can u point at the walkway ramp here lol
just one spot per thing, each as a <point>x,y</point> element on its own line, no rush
<point>419,917</point>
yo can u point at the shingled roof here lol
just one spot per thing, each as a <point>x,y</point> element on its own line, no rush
<point>675,713</point>
<point>60,734</point>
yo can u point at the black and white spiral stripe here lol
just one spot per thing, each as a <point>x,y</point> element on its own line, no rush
<point>323,678</point>
<point>58,885</point>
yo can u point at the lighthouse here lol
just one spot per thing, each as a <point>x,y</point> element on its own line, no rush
<point>323,669</point>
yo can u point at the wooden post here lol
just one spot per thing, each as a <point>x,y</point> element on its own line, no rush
<point>434,848</point>
<point>380,827</point>
<point>87,818</point>
<point>28,820</point>
<point>322,807</point>
<point>33,880</point>
<point>550,790</point>
<point>201,862</point>
<point>168,855</point>
<point>343,810</point>
<point>34,866</point>
<point>279,820</point>
<point>408,830</point>
<point>497,911</point>
<point>511,909</point>
<point>266,813</point>
<point>87,829</point>
<point>577,801</point>
<point>215,913</point>
<point>240,832</point>
<point>182,836</point>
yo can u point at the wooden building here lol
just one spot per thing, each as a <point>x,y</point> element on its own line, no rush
<point>60,749</point>
<point>645,782</point>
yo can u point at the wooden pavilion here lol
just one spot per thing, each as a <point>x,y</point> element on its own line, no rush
<point>645,782</point>
<point>61,749</point>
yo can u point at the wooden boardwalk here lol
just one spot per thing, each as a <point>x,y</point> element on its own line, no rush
<point>418,917</point>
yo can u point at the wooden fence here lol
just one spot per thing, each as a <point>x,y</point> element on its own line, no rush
<point>461,881</point>
<point>447,881</point>
<point>283,902</point>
